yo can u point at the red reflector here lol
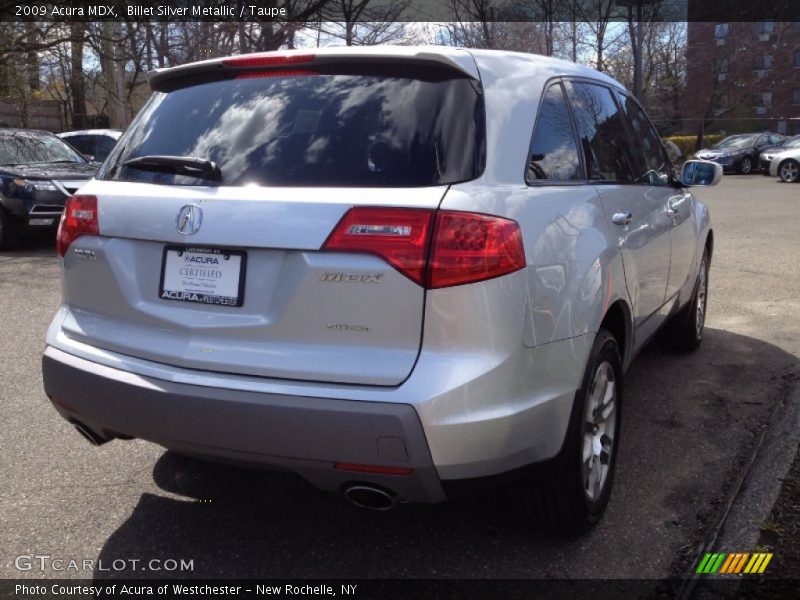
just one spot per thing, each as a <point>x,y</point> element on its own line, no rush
<point>374,469</point>
<point>397,235</point>
<point>469,247</point>
<point>281,73</point>
<point>79,218</point>
<point>267,60</point>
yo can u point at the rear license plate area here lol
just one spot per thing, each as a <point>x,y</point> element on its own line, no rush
<point>203,275</point>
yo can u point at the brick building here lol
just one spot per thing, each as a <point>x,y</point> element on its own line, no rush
<point>743,77</point>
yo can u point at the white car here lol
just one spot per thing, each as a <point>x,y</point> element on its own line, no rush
<point>401,272</point>
<point>94,143</point>
<point>785,164</point>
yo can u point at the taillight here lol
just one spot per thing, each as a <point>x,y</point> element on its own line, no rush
<point>469,247</point>
<point>268,60</point>
<point>79,218</point>
<point>451,249</point>
<point>397,235</point>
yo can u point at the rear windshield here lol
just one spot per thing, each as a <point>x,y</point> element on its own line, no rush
<point>352,128</point>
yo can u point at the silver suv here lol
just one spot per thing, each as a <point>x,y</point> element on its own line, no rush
<point>403,273</point>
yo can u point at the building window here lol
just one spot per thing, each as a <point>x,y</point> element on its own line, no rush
<point>720,66</point>
<point>721,30</point>
<point>762,99</point>
<point>796,96</point>
<point>720,105</point>
<point>763,62</point>
<point>765,27</point>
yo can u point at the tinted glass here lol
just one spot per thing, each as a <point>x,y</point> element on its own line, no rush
<point>26,148</point>
<point>602,133</point>
<point>651,163</point>
<point>103,147</point>
<point>343,129</point>
<point>83,143</point>
<point>554,152</point>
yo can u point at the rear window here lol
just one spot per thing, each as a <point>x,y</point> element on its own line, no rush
<point>391,128</point>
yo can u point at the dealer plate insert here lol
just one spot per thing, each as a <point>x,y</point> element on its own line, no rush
<point>203,275</point>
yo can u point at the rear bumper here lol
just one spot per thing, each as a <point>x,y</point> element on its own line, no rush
<point>304,434</point>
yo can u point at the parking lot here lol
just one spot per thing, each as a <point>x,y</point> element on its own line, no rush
<point>689,422</point>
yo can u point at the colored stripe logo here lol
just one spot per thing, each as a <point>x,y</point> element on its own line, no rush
<point>734,563</point>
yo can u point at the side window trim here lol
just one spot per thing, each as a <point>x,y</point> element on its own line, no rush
<point>550,83</point>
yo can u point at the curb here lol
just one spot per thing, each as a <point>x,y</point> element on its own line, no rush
<point>754,492</point>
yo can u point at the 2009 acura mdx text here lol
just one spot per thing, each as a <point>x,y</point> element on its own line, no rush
<point>403,273</point>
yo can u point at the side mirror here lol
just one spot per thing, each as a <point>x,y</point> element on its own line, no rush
<point>89,157</point>
<point>701,172</point>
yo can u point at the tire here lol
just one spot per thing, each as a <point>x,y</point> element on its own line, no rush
<point>576,498</point>
<point>746,166</point>
<point>685,329</point>
<point>789,171</point>
<point>8,236</point>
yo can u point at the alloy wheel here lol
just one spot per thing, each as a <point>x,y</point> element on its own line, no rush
<point>599,428</point>
<point>789,171</point>
<point>700,317</point>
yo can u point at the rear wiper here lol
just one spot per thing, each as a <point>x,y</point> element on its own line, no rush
<point>181,165</point>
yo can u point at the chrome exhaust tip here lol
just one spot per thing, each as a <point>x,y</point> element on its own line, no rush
<point>370,497</point>
<point>95,439</point>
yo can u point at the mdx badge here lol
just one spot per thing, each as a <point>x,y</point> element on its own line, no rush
<point>189,219</point>
<point>353,277</point>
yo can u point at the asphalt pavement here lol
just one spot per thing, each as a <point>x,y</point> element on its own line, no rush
<point>689,424</point>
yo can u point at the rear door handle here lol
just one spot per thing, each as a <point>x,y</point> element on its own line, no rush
<point>621,218</point>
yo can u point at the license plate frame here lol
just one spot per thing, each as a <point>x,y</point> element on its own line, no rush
<point>199,287</point>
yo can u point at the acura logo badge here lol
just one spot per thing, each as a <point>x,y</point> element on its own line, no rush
<point>189,219</point>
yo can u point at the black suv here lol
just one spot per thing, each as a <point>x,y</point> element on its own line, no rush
<point>739,153</point>
<point>38,172</point>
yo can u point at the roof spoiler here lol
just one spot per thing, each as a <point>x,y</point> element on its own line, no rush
<point>456,60</point>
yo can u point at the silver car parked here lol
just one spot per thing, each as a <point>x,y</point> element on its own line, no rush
<point>401,272</point>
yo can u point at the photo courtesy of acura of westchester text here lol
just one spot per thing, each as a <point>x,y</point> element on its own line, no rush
<point>424,298</point>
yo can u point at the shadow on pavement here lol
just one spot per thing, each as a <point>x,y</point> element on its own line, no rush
<point>688,423</point>
<point>33,244</point>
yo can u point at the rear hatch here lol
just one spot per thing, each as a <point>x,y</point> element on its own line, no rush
<point>218,263</point>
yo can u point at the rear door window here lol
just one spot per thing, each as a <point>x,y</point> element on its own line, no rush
<point>399,127</point>
<point>554,151</point>
<point>602,134</point>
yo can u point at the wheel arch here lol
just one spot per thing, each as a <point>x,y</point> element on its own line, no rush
<point>617,321</point>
